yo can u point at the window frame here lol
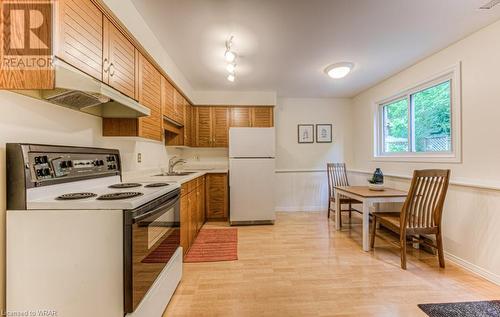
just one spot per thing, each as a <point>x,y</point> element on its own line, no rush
<point>451,74</point>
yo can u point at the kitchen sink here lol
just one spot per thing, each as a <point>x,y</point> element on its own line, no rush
<point>176,174</point>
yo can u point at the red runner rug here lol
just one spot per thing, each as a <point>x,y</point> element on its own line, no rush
<point>213,245</point>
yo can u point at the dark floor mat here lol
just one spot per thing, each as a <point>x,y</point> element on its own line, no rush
<point>464,309</point>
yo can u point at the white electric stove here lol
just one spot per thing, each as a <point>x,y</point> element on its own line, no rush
<point>82,243</point>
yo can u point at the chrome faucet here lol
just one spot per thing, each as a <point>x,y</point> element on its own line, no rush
<point>173,162</point>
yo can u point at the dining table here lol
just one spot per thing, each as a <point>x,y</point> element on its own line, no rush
<point>370,199</point>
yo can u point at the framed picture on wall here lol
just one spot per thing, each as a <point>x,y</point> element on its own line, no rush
<point>323,133</point>
<point>305,133</point>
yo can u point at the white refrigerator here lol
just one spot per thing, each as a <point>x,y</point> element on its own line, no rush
<point>251,175</point>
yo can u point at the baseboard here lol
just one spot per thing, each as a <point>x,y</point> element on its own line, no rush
<point>300,208</point>
<point>492,277</point>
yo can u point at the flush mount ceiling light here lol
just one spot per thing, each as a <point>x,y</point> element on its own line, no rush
<point>339,70</point>
<point>231,77</point>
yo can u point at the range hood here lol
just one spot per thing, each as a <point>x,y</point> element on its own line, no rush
<point>78,91</point>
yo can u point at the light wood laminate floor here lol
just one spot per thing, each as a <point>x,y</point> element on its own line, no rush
<point>301,266</point>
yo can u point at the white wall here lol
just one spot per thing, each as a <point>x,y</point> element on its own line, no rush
<point>471,217</point>
<point>301,175</point>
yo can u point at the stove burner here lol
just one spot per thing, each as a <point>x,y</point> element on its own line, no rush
<point>122,195</point>
<point>125,185</point>
<point>72,196</point>
<point>157,185</point>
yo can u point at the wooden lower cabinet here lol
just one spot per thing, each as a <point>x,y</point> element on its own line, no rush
<point>185,241</point>
<point>192,214</point>
<point>204,198</point>
<point>217,196</point>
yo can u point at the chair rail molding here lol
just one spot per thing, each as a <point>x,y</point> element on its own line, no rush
<point>456,181</point>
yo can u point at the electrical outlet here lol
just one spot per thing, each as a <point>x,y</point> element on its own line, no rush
<point>139,157</point>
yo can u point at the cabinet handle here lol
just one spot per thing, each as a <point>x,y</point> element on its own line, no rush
<point>112,73</point>
<point>105,63</point>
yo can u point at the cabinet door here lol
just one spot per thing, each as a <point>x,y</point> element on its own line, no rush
<point>201,205</point>
<point>203,126</point>
<point>184,217</point>
<point>187,124</point>
<point>262,117</point>
<point>193,212</point>
<point>178,107</point>
<point>240,117</point>
<point>150,96</point>
<point>167,99</point>
<point>79,35</point>
<point>217,196</point>
<point>220,129</point>
<point>119,60</point>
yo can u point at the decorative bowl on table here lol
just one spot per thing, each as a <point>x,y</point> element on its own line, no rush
<point>376,187</point>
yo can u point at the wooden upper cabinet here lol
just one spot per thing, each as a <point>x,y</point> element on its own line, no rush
<point>262,117</point>
<point>149,82</point>
<point>79,35</point>
<point>188,133</point>
<point>178,107</point>
<point>119,64</point>
<point>167,98</point>
<point>216,196</point>
<point>220,128</point>
<point>203,124</point>
<point>240,116</point>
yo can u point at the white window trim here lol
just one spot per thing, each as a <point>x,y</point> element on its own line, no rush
<point>452,73</point>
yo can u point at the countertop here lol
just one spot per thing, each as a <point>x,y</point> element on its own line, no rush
<point>155,177</point>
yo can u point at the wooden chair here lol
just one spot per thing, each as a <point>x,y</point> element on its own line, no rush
<point>337,176</point>
<point>421,213</point>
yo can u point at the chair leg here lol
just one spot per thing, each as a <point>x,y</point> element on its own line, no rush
<point>340,214</point>
<point>439,240</point>
<point>350,211</point>
<point>329,206</point>
<point>374,229</point>
<point>403,252</point>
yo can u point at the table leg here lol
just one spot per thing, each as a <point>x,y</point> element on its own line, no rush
<point>337,210</point>
<point>377,209</point>
<point>366,224</point>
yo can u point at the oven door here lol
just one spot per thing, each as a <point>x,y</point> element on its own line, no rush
<point>152,235</point>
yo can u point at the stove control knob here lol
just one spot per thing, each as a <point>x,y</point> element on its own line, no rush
<point>45,172</point>
<point>41,159</point>
<point>101,162</point>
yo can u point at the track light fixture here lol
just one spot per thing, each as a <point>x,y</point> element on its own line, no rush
<point>230,57</point>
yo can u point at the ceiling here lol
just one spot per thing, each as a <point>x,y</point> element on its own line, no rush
<point>284,45</point>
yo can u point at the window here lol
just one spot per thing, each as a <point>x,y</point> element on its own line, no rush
<point>421,123</point>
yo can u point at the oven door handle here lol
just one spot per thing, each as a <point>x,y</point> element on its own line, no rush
<point>150,213</point>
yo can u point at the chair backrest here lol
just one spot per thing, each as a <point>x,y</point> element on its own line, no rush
<point>337,176</point>
<point>424,205</point>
